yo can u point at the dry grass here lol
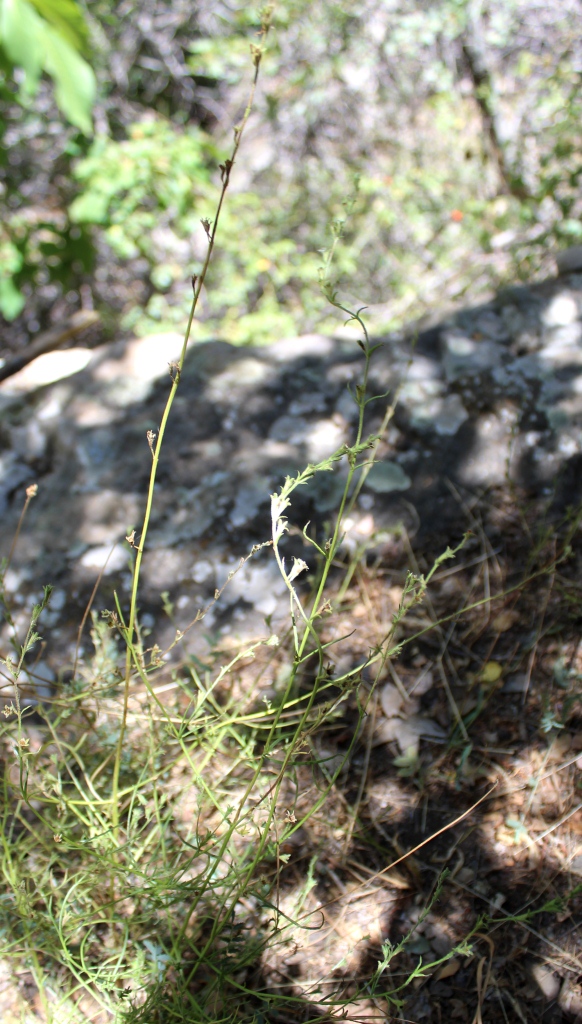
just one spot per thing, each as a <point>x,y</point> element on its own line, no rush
<point>363,818</point>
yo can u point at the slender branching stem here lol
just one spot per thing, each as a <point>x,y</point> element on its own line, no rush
<point>132,655</point>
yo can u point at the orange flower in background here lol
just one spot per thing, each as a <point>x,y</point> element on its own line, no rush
<point>457,216</point>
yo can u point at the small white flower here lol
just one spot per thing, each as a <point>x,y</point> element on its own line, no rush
<point>298,566</point>
<point>278,505</point>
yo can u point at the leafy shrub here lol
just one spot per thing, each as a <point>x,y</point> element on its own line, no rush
<point>37,242</point>
<point>466,182</point>
<point>37,247</point>
<point>51,36</point>
<point>436,214</point>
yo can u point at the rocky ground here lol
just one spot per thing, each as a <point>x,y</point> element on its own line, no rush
<point>486,437</point>
<point>489,398</point>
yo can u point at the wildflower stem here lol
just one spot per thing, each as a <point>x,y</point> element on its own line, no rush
<point>132,655</point>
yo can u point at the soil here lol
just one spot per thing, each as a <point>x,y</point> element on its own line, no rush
<point>478,711</point>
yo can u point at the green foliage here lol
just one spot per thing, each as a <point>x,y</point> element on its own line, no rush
<point>149,193</point>
<point>51,36</point>
<point>67,17</point>
<point>434,217</point>
<point>131,186</point>
<point>224,57</point>
<point>11,262</point>
<point>39,245</point>
<point>37,249</point>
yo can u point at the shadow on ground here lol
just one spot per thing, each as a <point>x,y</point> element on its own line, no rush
<point>486,438</point>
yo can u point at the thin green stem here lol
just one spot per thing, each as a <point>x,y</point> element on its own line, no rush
<point>132,656</point>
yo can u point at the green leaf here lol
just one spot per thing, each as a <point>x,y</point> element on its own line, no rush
<point>11,299</point>
<point>68,19</point>
<point>89,208</point>
<point>74,80</point>
<point>51,43</point>
<point>21,38</point>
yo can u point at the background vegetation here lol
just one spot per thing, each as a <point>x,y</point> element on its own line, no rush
<point>165,858</point>
<point>462,119</point>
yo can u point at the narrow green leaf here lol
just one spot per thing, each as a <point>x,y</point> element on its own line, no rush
<point>68,19</point>
<point>74,80</point>
<point>21,38</point>
<point>11,299</point>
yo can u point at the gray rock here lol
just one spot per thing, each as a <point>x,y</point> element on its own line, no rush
<point>385,477</point>
<point>311,401</point>
<point>259,584</point>
<point>289,428</point>
<point>347,408</point>
<point>245,418</point>
<point>563,347</point>
<point>166,567</point>
<point>561,311</point>
<point>488,459</point>
<point>249,499</point>
<point>197,512</point>
<point>13,473</point>
<point>203,571</point>
<point>208,359</point>
<point>326,490</point>
<point>325,437</point>
<point>316,346</point>
<point>450,416</point>
<point>41,680</point>
<point>466,356</point>
<point>237,380</point>
<point>30,441</point>
<point>422,401</point>
<point>105,557</point>
<point>569,259</point>
<point>491,326</point>
<point>523,326</point>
